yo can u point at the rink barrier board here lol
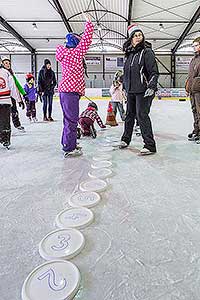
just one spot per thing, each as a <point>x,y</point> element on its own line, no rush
<point>109,99</point>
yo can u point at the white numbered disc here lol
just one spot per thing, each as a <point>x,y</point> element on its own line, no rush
<point>105,149</point>
<point>100,173</point>
<point>62,244</point>
<point>101,164</point>
<point>78,217</point>
<point>93,185</point>
<point>105,156</point>
<point>86,199</point>
<point>53,280</point>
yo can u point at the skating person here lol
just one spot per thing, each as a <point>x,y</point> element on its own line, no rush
<point>7,90</point>
<point>87,119</point>
<point>140,82</point>
<point>31,92</point>
<point>46,86</point>
<point>6,63</point>
<point>193,89</point>
<point>72,85</point>
<point>118,98</point>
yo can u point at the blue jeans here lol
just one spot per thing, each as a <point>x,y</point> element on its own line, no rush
<point>47,100</point>
<point>118,106</point>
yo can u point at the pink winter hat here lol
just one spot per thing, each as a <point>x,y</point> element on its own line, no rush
<point>132,29</point>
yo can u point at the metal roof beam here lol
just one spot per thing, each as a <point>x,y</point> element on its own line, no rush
<point>99,10</point>
<point>187,29</point>
<point>16,34</point>
<point>130,5</point>
<point>62,14</point>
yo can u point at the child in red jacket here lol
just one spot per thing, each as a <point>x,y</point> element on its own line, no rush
<point>87,119</point>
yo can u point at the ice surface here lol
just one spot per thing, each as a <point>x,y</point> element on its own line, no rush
<point>145,241</point>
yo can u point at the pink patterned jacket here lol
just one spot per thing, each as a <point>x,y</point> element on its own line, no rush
<point>72,63</point>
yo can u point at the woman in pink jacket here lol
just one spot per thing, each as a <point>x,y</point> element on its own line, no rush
<point>72,85</point>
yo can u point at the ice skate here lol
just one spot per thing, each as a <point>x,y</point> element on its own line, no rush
<point>50,119</point>
<point>35,120</point>
<point>123,145</point>
<point>192,136</point>
<point>145,151</point>
<point>6,145</point>
<point>74,153</point>
<point>21,128</point>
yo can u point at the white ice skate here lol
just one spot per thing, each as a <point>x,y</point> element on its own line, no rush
<point>21,129</point>
<point>145,151</point>
<point>74,153</point>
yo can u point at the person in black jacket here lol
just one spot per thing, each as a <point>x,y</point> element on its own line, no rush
<point>140,82</point>
<point>46,85</point>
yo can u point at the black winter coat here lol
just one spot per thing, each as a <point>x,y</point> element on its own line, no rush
<point>140,70</point>
<point>46,81</point>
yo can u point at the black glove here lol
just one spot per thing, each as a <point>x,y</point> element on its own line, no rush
<point>21,104</point>
<point>149,92</point>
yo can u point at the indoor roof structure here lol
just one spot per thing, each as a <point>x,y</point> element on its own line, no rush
<point>39,26</point>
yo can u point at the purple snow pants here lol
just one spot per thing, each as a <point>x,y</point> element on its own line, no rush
<point>70,107</point>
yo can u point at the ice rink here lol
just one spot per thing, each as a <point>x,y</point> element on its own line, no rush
<point>144,243</point>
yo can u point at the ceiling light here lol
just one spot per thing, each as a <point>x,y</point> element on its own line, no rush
<point>99,27</point>
<point>161,27</point>
<point>34,26</point>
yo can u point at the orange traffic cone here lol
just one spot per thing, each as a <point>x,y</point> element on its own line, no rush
<point>110,119</point>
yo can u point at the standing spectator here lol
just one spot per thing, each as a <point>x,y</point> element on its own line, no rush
<point>118,98</point>
<point>140,82</point>
<point>193,89</point>
<point>46,85</point>
<point>31,92</point>
<point>6,63</point>
<point>72,85</point>
<point>7,90</point>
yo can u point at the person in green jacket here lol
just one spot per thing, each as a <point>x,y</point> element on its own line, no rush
<point>6,63</point>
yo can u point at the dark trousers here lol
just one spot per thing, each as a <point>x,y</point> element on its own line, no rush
<point>138,106</point>
<point>47,100</point>
<point>5,129</point>
<point>15,114</point>
<point>85,124</point>
<point>70,107</point>
<point>195,105</point>
<point>30,109</point>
